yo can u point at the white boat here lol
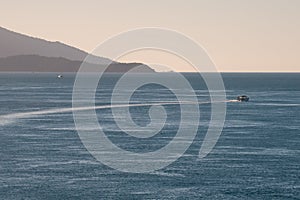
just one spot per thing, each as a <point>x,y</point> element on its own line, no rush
<point>243,98</point>
<point>60,76</point>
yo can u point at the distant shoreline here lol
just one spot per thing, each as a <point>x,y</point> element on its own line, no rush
<point>39,72</point>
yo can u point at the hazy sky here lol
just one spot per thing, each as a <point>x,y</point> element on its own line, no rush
<point>239,35</point>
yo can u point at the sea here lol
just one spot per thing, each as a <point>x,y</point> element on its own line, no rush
<point>257,155</point>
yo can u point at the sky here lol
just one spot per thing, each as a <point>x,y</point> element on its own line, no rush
<point>239,35</point>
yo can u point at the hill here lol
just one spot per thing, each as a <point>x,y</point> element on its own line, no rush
<point>19,52</point>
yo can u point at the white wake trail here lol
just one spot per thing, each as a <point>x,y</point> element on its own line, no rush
<point>10,118</point>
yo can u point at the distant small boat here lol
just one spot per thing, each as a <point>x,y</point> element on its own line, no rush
<point>60,76</point>
<point>243,98</point>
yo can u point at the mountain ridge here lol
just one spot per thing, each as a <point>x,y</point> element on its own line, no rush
<point>36,63</point>
<point>18,45</point>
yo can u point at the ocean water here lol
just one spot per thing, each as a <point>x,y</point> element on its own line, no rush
<point>256,157</point>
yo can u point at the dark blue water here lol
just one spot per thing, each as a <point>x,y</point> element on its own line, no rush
<point>256,157</point>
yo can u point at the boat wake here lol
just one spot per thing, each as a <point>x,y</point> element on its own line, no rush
<point>11,118</point>
<point>233,100</point>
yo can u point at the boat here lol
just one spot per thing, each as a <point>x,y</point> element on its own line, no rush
<point>243,98</point>
<point>60,76</point>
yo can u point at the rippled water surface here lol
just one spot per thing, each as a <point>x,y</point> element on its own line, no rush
<point>256,157</point>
